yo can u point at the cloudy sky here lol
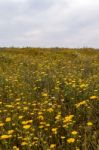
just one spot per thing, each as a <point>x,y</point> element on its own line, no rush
<point>49,23</point>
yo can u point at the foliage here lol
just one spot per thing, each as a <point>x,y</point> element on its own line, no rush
<point>49,99</point>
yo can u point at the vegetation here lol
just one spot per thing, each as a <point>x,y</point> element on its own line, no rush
<point>49,99</point>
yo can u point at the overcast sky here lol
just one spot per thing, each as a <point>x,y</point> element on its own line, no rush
<point>49,23</point>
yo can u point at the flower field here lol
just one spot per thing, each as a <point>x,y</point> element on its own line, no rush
<point>49,99</point>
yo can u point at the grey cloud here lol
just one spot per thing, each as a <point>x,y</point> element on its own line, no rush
<point>46,23</point>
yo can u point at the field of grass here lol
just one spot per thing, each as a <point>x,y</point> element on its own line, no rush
<point>49,99</point>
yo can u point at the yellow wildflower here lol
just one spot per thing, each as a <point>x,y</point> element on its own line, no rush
<point>81,103</point>
<point>5,137</point>
<point>58,117</point>
<point>8,119</point>
<point>25,108</point>
<point>83,86</point>
<point>26,126</point>
<point>26,122</point>
<point>20,117</point>
<point>54,130</point>
<point>89,123</point>
<point>40,117</point>
<point>50,110</point>
<point>1,124</point>
<point>10,131</point>
<point>41,126</point>
<point>24,143</point>
<point>62,137</point>
<point>0,103</point>
<point>68,118</point>
<point>93,97</point>
<point>52,146</point>
<point>74,132</point>
<point>70,140</point>
<point>44,94</point>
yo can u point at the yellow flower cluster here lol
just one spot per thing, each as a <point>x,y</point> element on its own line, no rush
<point>68,119</point>
<point>82,103</point>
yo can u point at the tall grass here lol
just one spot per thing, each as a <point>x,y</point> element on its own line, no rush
<point>49,99</point>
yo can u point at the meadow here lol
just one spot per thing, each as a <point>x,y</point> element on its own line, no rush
<point>49,99</point>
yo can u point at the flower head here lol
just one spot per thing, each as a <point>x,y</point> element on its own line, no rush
<point>89,123</point>
<point>52,146</point>
<point>8,119</point>
<point>70,140</point>
<point>74,132</point>
<point>26,126</point>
